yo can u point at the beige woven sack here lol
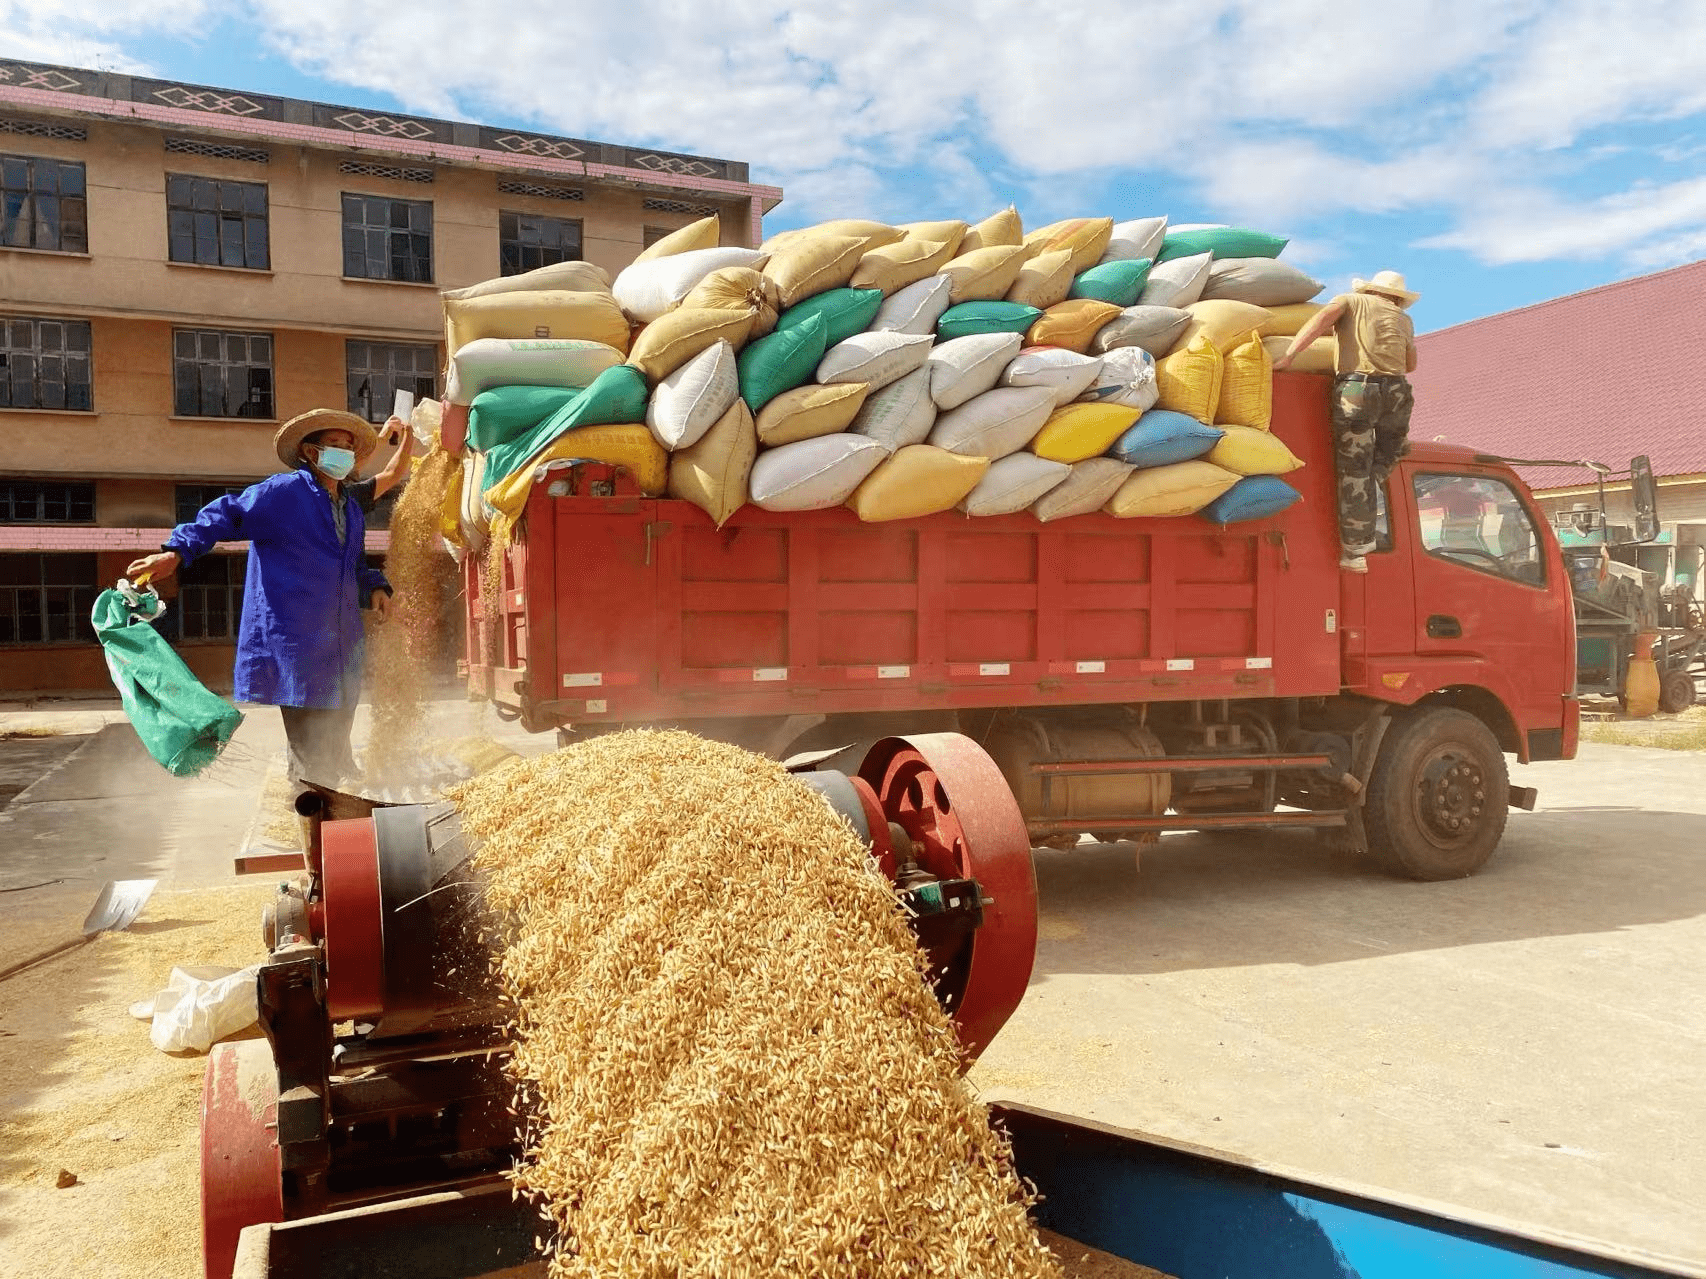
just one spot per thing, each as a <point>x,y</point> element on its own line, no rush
<point>706,233</point>
<point>1043,281</point>
<point>809,411</point>
<point>713,473</point>
<point>559,277</point>
<point>998,228</point>
<point>985,274</point>
<point>591,317</point>
<point>739,288</point>
<point>665,345</point>
<point>808,265</point>
<point>894,266</point>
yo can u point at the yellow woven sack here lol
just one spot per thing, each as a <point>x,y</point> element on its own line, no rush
<point>809,411</point>
<point>984,275</point>
<point>706,233</point>
<point>670,341</point>
<point>919,479</point>
<point>738,288</point>
<point>592,317</point>
<point>1320,356</point>
<point>1072,324</point>
<point>1044,281</point>
<point>1288,321</point>
<point>871,234</point>
<point>559,277</point>
<point>812,264</point>
<point>1161,492</point>
<point>996,229</point>
<point>1224,321</point>
<point>1085,238</point>
<point>1188,380</point>
<point>630,447</point>
<point>1247,386</point>
<point>894,266</point>
<point>1080,431</point>
<point>951,232</point>
<point>1244,450</point>
<point>712,474</point>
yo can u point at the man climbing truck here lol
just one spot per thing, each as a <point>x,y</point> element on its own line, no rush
<point>1129,676</point>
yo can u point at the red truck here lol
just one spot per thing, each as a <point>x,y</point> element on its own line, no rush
<point>1129,676</point>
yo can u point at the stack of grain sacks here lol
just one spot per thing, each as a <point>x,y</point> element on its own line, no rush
<point>898,370</point>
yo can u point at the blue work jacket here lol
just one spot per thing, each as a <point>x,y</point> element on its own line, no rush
<point>300,640</point>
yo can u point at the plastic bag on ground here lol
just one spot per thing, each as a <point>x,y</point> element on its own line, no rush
<point>199,1007</point>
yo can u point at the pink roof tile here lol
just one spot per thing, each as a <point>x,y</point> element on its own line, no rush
<point>1606,374</point>
<point>75,537</point>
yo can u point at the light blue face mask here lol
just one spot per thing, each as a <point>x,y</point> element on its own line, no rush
<point>335,462</point>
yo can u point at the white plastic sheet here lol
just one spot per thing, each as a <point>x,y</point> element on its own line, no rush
<point>199,1007</point>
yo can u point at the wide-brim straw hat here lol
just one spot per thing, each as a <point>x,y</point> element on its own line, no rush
<point>1388,282</point>
<point>288,442</point>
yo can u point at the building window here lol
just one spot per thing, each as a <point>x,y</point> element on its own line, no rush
<point>527,241</point>
<point>45,206</point>
<point>46,502</point>
<point>221,374</point>
<point>212,222</point>
<point>44,364</point>
<point>188,499</point>
<point>210,598</point>
<point>376,371</point>
<point>652,234</point>
<point>45,599</point>
<point>387,239</point>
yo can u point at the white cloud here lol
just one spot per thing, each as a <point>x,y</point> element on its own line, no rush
<point>1537,226</point>
<point>77,33</point>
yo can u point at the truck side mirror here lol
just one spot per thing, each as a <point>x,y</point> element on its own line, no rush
<point>1644,490</point>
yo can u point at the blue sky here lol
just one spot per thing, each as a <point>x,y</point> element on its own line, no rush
<point>1499,152</point>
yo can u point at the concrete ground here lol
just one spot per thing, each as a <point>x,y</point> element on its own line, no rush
<point>1529,1042</point>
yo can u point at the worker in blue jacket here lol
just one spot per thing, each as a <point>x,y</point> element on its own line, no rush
<point>299,645</point>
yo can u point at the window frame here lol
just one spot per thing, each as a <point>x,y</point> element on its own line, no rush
<point>76,599</point>
<point>242,215</point>
<point>515,253</point>
<point>200,361</point>
<point>196,598</point>
<point>205,492</point>
<point>78,493</point>
<point>22,206</point>
<point>67,355</point>
<point>367,231</point>
<point>377,402</point>
<point>1474,562</point>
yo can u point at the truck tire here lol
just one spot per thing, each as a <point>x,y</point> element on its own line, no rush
<point>1439,795</point>
<point>1676,692</point>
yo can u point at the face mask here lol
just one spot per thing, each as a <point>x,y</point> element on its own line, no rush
<point>334,462</point>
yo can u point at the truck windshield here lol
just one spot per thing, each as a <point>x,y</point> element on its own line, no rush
<point>1480,523</point>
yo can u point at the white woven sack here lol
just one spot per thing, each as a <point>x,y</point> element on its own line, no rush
<point>1139,238</point>
<point>814,474</point>
<point>1012,483</point>
<point>1260,281</point>
<point>1067,373</point>
<point>995,423</point>
<point>963,367</point>
<point>875,359</point>
<point>916,308</point>
<point>1128,378</point>
<point>1154,328</point>
<point>1087,489</point>
<point>901,413</point>
<point>689,401</point>
<point>647,290</point>
<point>1177,283</point>
<point>488,362</point>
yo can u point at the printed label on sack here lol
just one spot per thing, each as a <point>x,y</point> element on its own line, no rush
<point>542,331</point>
<point>1092,668</point>
<point>1258,663</point>
<point>893,672</point>
<point>586,679</point>
<point>992,668</point>
<point>597,708</point>
<point>764,673</point>
<point>1181,664</point>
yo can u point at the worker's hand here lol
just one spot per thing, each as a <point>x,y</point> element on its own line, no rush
<point>397,431</point>
<point>381,604</point>
<point>159,565</point>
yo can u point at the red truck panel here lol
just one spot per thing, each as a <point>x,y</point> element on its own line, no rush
<point>626,609</point>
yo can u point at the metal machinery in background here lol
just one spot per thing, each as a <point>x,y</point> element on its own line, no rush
<point>381,1074</point>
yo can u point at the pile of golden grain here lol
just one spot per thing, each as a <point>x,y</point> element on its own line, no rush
<point>733,1063</point>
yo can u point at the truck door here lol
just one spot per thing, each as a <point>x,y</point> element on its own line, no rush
<point>1485,588</point>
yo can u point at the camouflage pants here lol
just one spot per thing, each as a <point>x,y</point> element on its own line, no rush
<point>1371,430</point>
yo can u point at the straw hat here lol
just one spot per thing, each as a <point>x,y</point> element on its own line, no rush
<point>1389,283</point>
<point>288,442</point>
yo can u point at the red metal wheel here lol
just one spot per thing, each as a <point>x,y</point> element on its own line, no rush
<point>950,798</point>
<point>240,1180</point>
<point>354,923</point>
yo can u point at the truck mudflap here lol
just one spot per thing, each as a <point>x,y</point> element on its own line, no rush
<point>1193,1213</point>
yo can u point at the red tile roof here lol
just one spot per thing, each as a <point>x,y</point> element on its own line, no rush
<point>1606,374</point>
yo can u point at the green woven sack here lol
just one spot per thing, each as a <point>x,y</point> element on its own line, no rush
<point>1118,282</point>
<point>182,725</point>
<point>844,311</point>
<point>781,361</point>
<point>971,318</point>
<point>616,395</point>
<point>1222,242</point>
<point>504,412</point>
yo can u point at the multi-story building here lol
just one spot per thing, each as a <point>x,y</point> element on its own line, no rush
<point>183,268</point>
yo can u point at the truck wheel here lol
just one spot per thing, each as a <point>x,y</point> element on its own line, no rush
<point>1439,795</point>
<point>1676,692</point>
